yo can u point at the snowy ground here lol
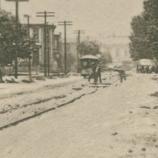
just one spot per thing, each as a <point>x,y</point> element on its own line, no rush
<point>20,102</point>
<point>13,89</point>
<point>119,121</point>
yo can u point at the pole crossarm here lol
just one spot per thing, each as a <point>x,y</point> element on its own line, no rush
<point>44,15</point>
<point>46,12</point>
<point>64,23</point>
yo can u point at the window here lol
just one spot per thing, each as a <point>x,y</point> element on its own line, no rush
<point>36,34</point>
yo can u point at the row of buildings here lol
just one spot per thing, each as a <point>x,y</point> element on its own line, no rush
<point>50,50</point>
<point>117,47</point>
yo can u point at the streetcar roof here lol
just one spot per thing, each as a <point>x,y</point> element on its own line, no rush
<point>89,57</point>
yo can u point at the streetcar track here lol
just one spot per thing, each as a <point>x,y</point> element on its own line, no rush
<point>45,111</point>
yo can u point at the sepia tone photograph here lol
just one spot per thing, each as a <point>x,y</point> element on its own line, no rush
<point>78,78</point>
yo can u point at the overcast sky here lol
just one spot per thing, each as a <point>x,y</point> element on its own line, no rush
<point>98,18</point>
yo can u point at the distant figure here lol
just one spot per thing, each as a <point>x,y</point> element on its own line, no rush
<point>1,75</point>
<point>93,73</point>
<point>98,74</point>
<point>143,69</point>
<point>138,69</point>
<point>156,69</point>
<point>122,75</point>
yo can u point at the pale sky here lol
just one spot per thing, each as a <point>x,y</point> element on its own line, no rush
<point>99,18</point>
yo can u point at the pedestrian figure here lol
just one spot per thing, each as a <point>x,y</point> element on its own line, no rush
<point>92,73</point>
<point>1,75</point>
<point>143,69</point>
<point>98,74</point>
<point>122,75</point>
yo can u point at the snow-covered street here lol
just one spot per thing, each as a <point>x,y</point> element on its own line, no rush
<point>18,105</point>
<point>119,121</point>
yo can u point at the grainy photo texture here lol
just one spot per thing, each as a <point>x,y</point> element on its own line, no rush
<point>78,78</point>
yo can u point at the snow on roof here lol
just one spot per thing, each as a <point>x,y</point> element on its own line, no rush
<point>89,57</point>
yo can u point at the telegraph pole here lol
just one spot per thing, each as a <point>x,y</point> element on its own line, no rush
<point>0,4</point>
<point>45,15</point>
<point>17,30</point>
<point>79,32</point>
<point>65,24</point>
<point>28,34</point>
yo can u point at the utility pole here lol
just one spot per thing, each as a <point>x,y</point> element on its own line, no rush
<point>65,24</point>
<point>79,32</point>
<point>30,55</point>
<point>17,30</point>
<point>0,4</point>
<point>48,51</point>
<point>45,15</point>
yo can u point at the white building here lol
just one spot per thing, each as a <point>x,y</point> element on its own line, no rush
<point>117,47</point>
